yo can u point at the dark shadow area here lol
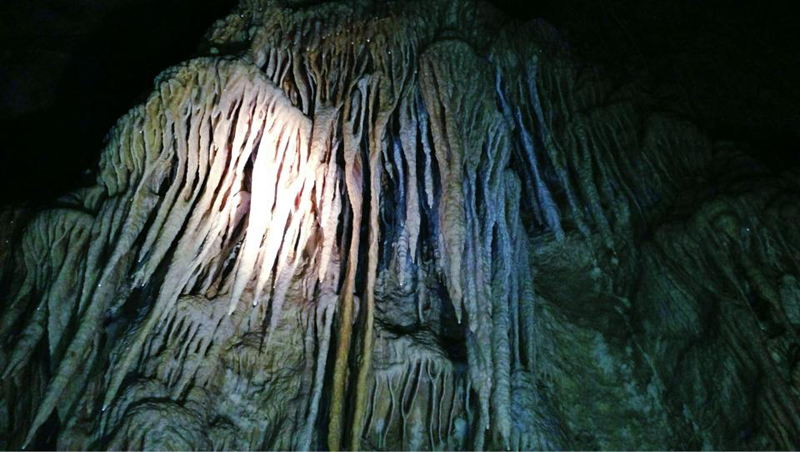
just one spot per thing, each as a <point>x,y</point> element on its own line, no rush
<point>69,69</point>
<point>109,69</point>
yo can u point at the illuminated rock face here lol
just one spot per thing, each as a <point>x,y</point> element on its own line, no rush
<point>411,226</point>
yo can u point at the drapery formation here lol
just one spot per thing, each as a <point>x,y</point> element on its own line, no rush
<point>352,234</point>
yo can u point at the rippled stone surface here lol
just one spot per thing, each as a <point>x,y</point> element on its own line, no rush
<point>412,225</point>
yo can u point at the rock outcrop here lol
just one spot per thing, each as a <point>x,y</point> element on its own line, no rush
<point>404,225</point>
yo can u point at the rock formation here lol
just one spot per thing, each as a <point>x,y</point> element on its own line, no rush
<point>403,225</point>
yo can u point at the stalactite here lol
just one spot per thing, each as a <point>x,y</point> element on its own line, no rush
<point>221,251</point>
<point>445,140</point>
<point>501,349</point>
<point>354,177</point>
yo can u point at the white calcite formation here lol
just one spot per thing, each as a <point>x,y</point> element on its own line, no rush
<point>410,225</point>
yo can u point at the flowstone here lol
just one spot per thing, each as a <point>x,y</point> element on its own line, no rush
<point>403,225</point>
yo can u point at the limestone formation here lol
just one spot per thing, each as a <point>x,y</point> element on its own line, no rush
<point>403,225</point>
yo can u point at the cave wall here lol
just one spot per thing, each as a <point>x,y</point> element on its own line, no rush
<point>412,225</point>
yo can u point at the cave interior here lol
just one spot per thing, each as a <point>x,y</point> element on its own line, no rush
<point>399,225</point>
